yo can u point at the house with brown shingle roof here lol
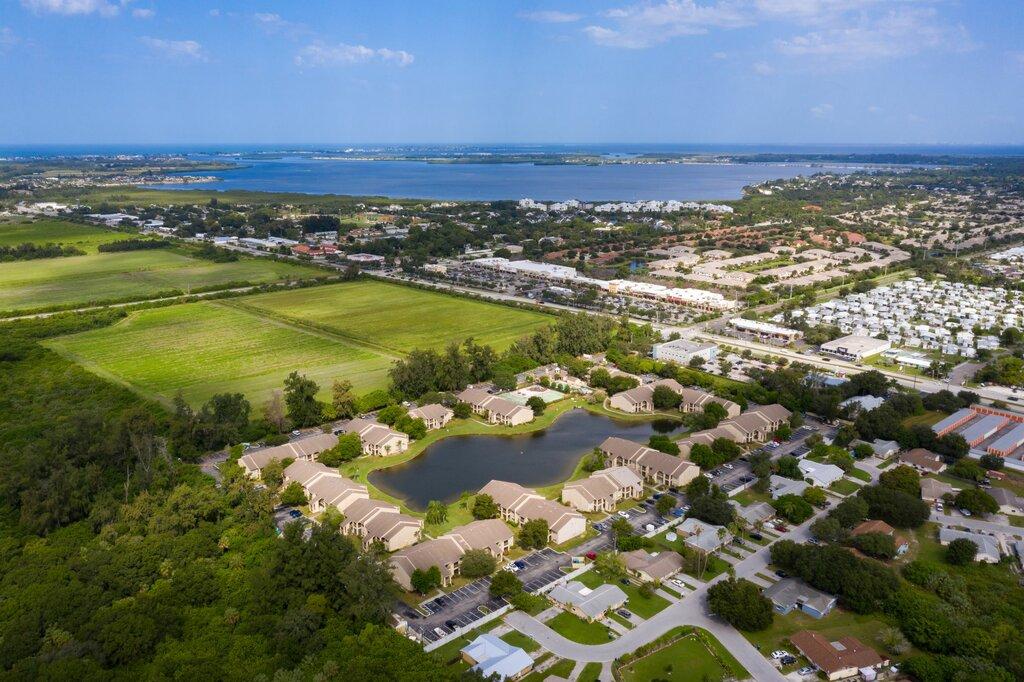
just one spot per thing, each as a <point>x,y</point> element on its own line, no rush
<point>302,449</point>
<point>519,505</point>
<point>497,410</point>
<point>694,400</point>
<point>377,521</point>
<point>446,552</point>
<point>641,398</point>
<point>324,486</point>
<point>603,489</point>
<point>839,659</point>
<point>377,439</point>
<point>652,567</point>
<point>933,489</point>
<point>923,460</point>
<point>651,465</point>
<point>434,415</point>
<point>883,528</point>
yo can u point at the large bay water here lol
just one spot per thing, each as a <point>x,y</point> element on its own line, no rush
<point>460,463</point>
<point>494,181</point>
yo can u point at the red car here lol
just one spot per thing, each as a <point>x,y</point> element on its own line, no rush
<point>591,555</point>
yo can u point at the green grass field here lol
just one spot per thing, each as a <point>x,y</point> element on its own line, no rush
<point>83,237</point>
<point>82,280</point>
<point>213,347</point>
<point>205,348</point>
<point>687,659</point>
<point>397,318</point>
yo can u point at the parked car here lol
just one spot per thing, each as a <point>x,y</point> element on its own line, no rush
<point>756,536</point>
<point>807,670</point>
<point>678,583</point>
<point>624,613</point>
<point>519,564</point>
<point>778,654</point>
<point>451,624</point>
<point>782,574</point>
<point>787,660</point>
<point>623,514</point>
<point>650,527</point>
<point>591,555</point>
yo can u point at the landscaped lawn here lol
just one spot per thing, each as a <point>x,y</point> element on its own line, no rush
<point>925,418</point>
<point>398,318</point>
<point>83,237</point>
<point>838,623</point>
<point>561,669</point>
<point>645,607</point>
<point>579,630</point>
<point>687,659</point>
<point>516,638</point>
<point>844,487</point>
<point>859,474</point>
<point>750,496</point>
<point>590,673</point>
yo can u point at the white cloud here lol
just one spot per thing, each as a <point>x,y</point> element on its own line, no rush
<point>763,69</point>
<point>342,54</point>
<point>214,12</point>
<point>897,33</point>
<point>188,50</point>
<point>551,17</point>
<point>141,13</point>
<point>73,7</point>
<point>275,23</point>
<point>822,110</point>
<point>640,26</point>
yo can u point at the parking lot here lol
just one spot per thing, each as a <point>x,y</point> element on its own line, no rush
<point>442,615</point>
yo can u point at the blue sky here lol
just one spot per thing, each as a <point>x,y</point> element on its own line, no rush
<point>701,71</point>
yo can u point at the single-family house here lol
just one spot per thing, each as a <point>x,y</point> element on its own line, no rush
<point>933,489</point>
<point>377,439</point>
<point>876,526</point>
<point>925,461</point>
<point>493,657</point>
<point>988,548</point>
<point>1008,501</point>
<point>655,567</point>
<point>589,604</point>
<point>603,489</point>
<point>519,505</point>
<point>701,536</point>
<point>435,416</point>
<point>789,594</point>
<point>780,485</point>
<point>755,513</point>
<point>306,448</point>
<point>652,465</point>
<point>820,474</point>
<point>837,660</point>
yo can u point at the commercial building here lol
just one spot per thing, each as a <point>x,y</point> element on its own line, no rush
<point>765,331</point>
<point>855,348</point>
<point>683,352</point>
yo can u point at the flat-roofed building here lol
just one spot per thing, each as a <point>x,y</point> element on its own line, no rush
<point>765,330</point>
<point>682,351</point>
<point>603,489</point>
<point>652,465</point>
<point>953,421</point>
<point>982,429</point>
<point>519,505</point>
<point>855,347</point>
<point>1009,441</point>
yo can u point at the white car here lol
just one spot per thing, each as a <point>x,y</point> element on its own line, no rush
<point>678,583</point>
<point>512,567</point>
<point>623,514</point>
<point>806,670</point>
<point>779,654</point>
<point>650,527</point>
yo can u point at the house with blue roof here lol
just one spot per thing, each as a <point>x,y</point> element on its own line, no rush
<point>494,656</point>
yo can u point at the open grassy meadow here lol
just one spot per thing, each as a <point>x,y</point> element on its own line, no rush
<point>249,345</point>
<point>83,237</point>
<point>83,280</point>
<point>205,348</point>
<point>397,318</point>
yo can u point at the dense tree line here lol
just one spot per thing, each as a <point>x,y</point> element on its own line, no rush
<point>121,562</point>
<point>133,245</point>
<point>36,251</point>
